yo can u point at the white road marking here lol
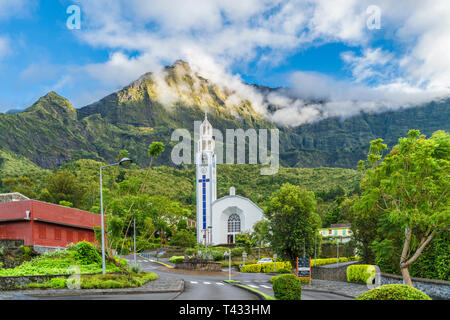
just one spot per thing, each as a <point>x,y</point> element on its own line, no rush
<point>206,282</point>
<point>253,286</point>
<point>264,286</point>
<point>195,282</point>
<point>219,283</point>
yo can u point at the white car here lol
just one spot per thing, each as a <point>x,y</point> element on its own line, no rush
<point>265,260</point>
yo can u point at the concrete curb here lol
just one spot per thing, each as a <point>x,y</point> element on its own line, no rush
<point>240,285</point>
<point>181,291</point>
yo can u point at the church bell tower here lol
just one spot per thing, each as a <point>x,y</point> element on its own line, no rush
<point>205,181</point>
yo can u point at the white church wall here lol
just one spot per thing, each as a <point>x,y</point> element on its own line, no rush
<point>222,208</point>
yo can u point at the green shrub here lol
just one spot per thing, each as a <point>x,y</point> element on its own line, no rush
<point>190,251</point>
<point>237,252</point>
<point>360,273</point>
<point>217,255</point>
<point>267,267</point>
<point>109,284</point>
<point>86,253</point>
<point>176,259</point>
<point>136,268</point>
<point>121,261</point>
<point>57,283</point>
<point>287,287</point>
<point>393,292</point>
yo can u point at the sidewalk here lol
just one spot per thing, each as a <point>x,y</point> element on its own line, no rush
<point>156,286</point>
<point>344,288</point>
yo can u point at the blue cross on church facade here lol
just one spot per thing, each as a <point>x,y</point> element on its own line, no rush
<point>203,181</point>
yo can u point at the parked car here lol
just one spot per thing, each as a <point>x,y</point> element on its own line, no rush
<point>265,260</point>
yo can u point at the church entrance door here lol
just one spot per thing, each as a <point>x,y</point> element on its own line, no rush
<point>230,239</point>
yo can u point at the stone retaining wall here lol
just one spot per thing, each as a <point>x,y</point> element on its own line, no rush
<point>7,244</point>
<point>436,289</point>
<point>15,282</point>
<point>335,273</point>
<point>199,265</point>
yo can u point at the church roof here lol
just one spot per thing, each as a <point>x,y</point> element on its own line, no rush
<point>239,197</point>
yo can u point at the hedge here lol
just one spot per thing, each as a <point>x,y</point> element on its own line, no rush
<point>360,273</point>
<point>176,259</point>
<point>393,292</point>
<point>266,267</point>
<point>287,287</point>
<point>321,262</point>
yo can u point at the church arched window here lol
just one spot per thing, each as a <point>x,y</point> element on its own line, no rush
<point>234,223</point>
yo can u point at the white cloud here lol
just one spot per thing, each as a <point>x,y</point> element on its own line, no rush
<point>214,36</point>
<point>4,47</point>
<point>16,8</point>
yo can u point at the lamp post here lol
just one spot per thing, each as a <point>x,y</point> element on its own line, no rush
<point>124,161</point>
<point>134,238</point>
<point>228,253</point>
<point>337,242</point>
<point>315,249</point>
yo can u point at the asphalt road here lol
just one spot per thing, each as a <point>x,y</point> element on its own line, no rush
<point>199,286</point>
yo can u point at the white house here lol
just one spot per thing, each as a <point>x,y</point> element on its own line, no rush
<point>218,220</point>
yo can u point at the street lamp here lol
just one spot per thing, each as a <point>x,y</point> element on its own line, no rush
<point>123,162</point>
<point>228,253</point>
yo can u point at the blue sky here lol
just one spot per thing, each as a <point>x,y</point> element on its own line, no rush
<point>301,44</point>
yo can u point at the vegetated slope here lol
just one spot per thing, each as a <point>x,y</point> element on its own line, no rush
<point>52,132</point>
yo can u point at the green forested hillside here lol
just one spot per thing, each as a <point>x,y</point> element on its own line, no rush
<point>51,132</point>
<point>12,164</point>
<point>178,184</point>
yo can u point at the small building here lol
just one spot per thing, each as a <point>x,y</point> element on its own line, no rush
<point>44,225</point>
<point>338,230</point>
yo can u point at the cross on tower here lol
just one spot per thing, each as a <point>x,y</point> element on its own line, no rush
<point>203,181</point>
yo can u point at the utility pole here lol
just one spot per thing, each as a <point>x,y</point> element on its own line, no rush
<point>315,249</point>
<point>337,242</point>
<point>124,161</point>
<point>304,253</point>
<point>134,238</point>
<point>228,253</point>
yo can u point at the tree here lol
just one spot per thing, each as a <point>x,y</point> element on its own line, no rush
<point>261,233</point>
<point>63,186</point>
<point>23,185</point>
<point>153,151</point>
<point>410,187</point>
<point>183,238</point>
<point>244,240</point>
<point>293,221</point>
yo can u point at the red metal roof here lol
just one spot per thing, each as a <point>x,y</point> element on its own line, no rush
<point>48,212</point>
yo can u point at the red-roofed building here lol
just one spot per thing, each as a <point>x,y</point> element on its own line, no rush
<point>45,224</point>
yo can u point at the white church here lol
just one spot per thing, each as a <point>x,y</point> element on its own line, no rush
<point>218,220</point>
